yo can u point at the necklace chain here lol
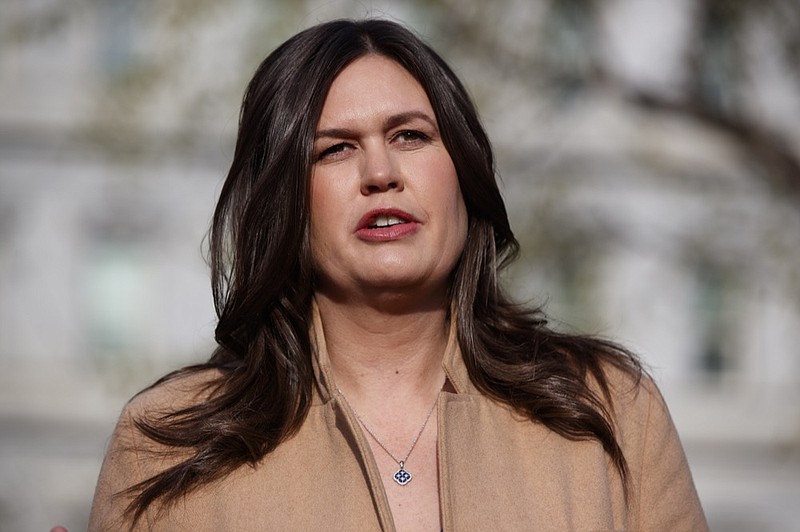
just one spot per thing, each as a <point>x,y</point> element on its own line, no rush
<point>402,476</point>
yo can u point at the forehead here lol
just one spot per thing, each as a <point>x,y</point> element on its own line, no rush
<point>373,86</point>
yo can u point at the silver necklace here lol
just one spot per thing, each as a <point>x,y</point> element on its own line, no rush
<point>402,476</point>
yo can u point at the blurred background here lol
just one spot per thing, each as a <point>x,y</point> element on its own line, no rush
<point>650,157</point>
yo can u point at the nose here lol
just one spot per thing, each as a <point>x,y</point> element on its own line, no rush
<point>380,172</point>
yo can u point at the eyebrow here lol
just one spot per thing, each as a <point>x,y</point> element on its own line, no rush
<point>390,123</point>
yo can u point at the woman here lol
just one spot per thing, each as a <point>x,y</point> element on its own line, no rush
<point>371,374</point>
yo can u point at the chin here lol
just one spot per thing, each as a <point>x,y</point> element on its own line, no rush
<point>409,286</point>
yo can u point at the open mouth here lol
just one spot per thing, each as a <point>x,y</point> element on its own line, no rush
<point>385,220</point>
<point>383,225</point>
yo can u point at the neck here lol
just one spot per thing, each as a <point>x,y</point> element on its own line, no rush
<point>384,351</point>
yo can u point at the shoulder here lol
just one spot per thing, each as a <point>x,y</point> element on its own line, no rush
<point>174,392</point>
<point>635,402</point>
<point>131,457</point>
<point>661,482</point>
<point>172,395</point>
<point>169,396</point>
<point>637,410</point>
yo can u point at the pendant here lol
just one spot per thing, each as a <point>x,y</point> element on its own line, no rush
<point>402,476</point>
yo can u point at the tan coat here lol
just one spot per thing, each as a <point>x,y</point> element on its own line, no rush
<point>497,470</point>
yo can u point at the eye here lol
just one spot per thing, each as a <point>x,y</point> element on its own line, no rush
<point>411,137</point>
<point>334,152</point>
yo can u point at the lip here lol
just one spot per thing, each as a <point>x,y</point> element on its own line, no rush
<point>409,226</point>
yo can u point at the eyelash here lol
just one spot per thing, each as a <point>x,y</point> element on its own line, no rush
<point>416,136</point>
<point>336,148</point>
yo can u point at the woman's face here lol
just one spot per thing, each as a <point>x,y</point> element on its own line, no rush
<point>386,209</point>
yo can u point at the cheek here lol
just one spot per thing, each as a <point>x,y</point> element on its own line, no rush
<point>450,195</point>
<point>331,194</point>
<point>322,209</point>
<point>461,221</point>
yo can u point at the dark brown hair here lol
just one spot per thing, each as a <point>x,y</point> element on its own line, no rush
<point>263,283</point>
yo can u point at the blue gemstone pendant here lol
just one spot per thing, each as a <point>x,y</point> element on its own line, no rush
<point>402,476</point>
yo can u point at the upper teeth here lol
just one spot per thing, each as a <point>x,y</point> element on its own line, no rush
<point>386,221</point>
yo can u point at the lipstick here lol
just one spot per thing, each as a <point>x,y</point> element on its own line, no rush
<point>384,225</point>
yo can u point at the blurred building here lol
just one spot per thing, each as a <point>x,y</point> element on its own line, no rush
<point>648,153</point>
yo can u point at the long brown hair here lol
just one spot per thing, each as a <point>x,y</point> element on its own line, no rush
<point>263,283</point>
